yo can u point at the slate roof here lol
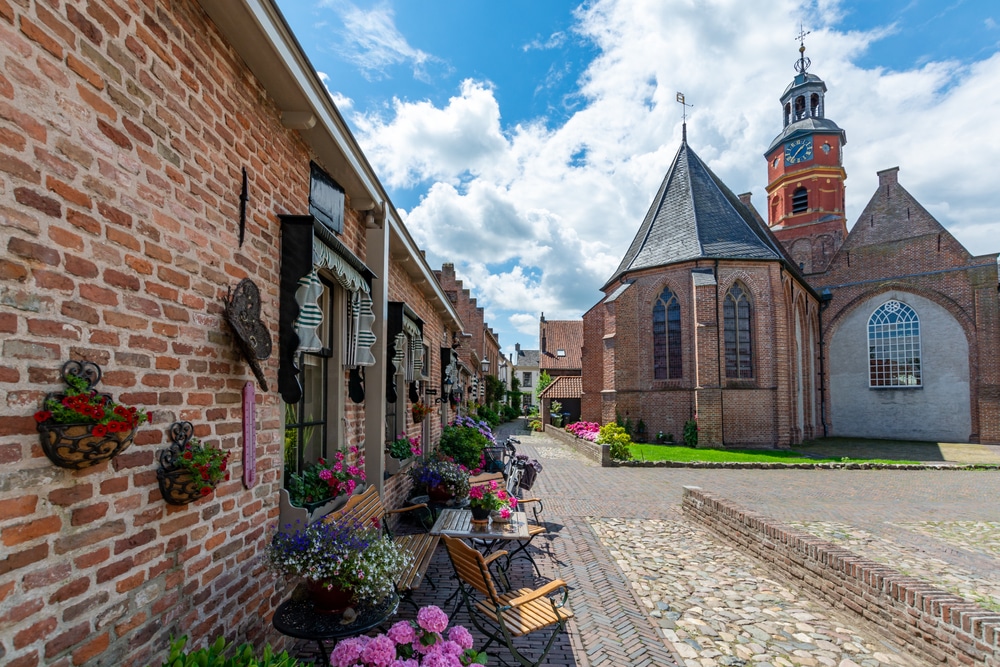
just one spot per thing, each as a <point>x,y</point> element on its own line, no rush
<point>695,216</point>
<point>526,358</point>
<point>806,126</point>
<point>564,386</point>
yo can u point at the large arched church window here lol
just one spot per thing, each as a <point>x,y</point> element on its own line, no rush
<point>737,312</point>
<point>894,346</point>
<point>667,359</point>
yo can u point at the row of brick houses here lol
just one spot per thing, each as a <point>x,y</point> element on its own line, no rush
<point>770,333</point>
<point>153,158</point>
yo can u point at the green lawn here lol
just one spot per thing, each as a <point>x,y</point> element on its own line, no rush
<point>682,453</point>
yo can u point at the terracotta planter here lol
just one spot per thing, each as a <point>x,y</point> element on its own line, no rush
<point>75,445</point>
<point>329,600</point>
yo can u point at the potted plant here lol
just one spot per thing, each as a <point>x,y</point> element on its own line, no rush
<point>321,487</point>
<point>419,410</point>
<point>555,413</point>
<point>441,480</point>
<point>343,562</point>
<point>464,440</point>
<point>420,644</point>
<point>399,450</point>
<point>190,469</point>
<point>81,427</point>
<point>485,499</point>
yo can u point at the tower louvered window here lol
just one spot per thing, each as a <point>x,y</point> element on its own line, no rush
<point>667,359</point>
<point>894,346</point>
<point>800,200</point>
<point>737,311</point>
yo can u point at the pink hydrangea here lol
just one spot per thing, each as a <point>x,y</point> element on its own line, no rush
<point>399,662</point>
<point>402,633</point>
<point>432,619</point>
<point>348,652</point>
<point>439,658</point>
<point>380,652</point>
<point>461,636</point>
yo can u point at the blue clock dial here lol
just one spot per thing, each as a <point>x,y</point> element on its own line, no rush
<point>799,150</point>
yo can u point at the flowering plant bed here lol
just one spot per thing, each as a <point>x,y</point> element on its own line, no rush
<point>324,480</point>
<point>409,644</point>
<point>403,447</point>
<point>465,439</point>
<point>346,554</point>
<point>585,430</point>
<point>81,427</point>
<point>189,468</point>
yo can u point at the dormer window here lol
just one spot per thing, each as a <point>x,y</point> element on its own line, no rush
<point>560,353</point>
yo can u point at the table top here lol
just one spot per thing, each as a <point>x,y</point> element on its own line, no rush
<point>297,618</point>
<point>458,523</point>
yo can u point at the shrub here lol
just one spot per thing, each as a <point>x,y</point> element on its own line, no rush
<point>535,425</point>
<point>691,433</point>
<point>214,656</point>
<point>464,441</point>
<point>510,412</point>
<point>488,416</point>
<point>615,435</point>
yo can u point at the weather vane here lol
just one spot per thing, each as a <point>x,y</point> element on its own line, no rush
<point>684,106</point>
<point>803,63</point>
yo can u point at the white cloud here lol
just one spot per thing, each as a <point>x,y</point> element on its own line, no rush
<point>562,204</point>
<point>341,101</point>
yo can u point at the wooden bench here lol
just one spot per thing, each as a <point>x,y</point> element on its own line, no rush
<point>368,506</point>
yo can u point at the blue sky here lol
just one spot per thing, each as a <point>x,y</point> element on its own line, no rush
<point>523,141</point>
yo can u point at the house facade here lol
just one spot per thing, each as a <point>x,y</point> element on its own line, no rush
<point>152,159</point>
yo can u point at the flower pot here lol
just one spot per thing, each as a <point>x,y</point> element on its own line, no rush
<point>496,518</point>
<point>75,445</point>
<point>439,494</point>
<point>480,514</point>
<point>329,599</point>
<point>393,465</point>
<point>178,486</point>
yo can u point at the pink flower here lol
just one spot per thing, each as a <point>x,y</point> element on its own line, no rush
<point>339,456</point>
<point>353,471</point>
<point>402,633</point>
<point>439,658</point>
<point>348,652</point>
<point>379,652</point>
<point>351,485</point>
<point>405,663</point>
<point>476,493</point>
<point>432,619</point>
<point>325,475</point>
<point>460,636</point>
<point>505,513</point>
<point>338,467</point>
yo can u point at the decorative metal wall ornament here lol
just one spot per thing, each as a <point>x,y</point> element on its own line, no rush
<point>76,445</point>
<point>252,336</point>
<point>176,483</point>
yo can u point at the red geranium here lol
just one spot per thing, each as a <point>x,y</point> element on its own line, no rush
<point>82,404</point>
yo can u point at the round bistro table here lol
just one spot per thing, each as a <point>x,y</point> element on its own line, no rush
<point>297,618</point>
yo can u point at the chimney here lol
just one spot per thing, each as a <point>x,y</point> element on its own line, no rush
<point>745,198</point>
<point>517,349</point>
<point>888,179</point>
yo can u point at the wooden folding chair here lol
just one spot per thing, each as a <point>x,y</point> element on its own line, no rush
<point>535,528</point>
<point>516,613</point>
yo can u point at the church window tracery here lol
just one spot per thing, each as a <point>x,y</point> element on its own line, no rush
<point>737,311</point>
<point>894,346</point>
<point>667,359</point>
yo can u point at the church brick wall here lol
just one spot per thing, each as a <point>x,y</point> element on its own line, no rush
<point>122,133</point>
<point>594,364</point>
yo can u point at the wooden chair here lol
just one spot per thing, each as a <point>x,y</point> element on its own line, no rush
<point>516,613</point>
<point>535,528</point>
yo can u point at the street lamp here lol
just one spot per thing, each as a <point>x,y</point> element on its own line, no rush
<point>485,365</point>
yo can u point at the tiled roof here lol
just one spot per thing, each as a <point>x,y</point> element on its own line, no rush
<point>565,335</point>
<point>695,216</point>
<point>564,386</point>
<point>526,358</point>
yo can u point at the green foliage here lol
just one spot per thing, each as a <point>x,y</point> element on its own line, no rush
<point>620,441</point>
<point>494,390</point>
<point>682,453</point>
<point>535,425</point>
<point>628,426</point>
<point>544,380</point>
<point>488,416</point>
<point>464,444</point>
<point>691,433</point>
<point>514,395</point>
<point>510,412</point>
<point>555,408</point>
<point>215,656</point>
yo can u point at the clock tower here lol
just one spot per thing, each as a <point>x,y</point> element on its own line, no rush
<point>805,174</point>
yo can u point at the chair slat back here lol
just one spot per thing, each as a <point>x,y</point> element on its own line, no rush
<point>363,507</point>
<point>471,568</point>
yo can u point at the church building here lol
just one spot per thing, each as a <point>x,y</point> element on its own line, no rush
<point>771,333</point>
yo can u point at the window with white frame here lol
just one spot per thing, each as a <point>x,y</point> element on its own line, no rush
<point>894,346</point>
<point>526,379</point>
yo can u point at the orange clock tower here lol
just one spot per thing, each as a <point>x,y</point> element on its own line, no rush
<point>805,174</point>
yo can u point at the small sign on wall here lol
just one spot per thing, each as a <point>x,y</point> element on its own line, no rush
<point>249,435</point>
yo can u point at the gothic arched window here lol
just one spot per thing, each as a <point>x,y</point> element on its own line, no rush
<point>894,346</point>
<point>667,337</point>
<point>800,200</point>
<point>737,312</point>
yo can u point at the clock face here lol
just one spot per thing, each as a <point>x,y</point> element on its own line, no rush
<point>799,150</point>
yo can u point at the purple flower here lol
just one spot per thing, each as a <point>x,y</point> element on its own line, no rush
<point>460,636</point>
<point>441,659</point>
<point>379,652</point>
<point>432,619</point>
<point>402,633</point>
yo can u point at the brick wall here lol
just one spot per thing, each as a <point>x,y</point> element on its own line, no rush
<point>937,625</point>
<point>123,129</point>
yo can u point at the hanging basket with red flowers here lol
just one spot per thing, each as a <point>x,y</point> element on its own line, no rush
<point>419,411</point>
<point>81,427</point>
<point>190,469</point>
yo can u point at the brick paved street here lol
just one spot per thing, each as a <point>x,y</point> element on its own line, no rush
<point>629,612</point>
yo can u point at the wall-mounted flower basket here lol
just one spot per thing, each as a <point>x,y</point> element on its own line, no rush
<point>81,427</point>
<point>189,469</point>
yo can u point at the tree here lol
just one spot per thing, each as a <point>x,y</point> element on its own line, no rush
<point>544,380</point>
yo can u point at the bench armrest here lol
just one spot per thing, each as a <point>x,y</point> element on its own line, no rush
<point>547,589</point>
<point>407,509</point>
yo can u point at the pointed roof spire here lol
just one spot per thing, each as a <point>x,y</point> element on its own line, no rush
<point>684,122</point>
<point>803,64</point>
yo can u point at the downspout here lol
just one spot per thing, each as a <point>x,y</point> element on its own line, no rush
<point>824,301</point>
<point>720,338</point>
